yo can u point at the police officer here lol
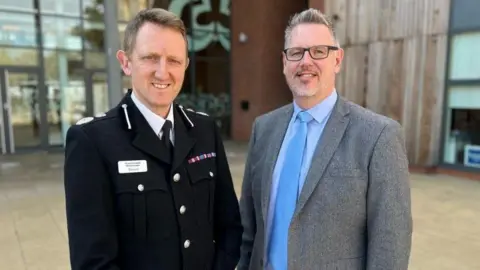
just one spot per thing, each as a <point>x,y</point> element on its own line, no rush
<point>147,184</point>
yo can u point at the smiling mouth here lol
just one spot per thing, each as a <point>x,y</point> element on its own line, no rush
<point>306,75</point>
<point>160,85</point>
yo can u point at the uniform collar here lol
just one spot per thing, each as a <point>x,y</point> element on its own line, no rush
<point>155,121</point>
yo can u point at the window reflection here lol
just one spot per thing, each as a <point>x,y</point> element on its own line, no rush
<point>100,92</point>
<point>22,5</point>
<point>462,140</point>
<point>66,91</point>
<point>128,8</point>
<point>13,56</point>
<point>95,60</point>
<point>17,29</point>
<point>94,35</point>
<point>465,56</point>
<point>121,32</point>
<point>61,33</point>
<point>22,88</point>
<point>211,91</point>
<point>63,7</point>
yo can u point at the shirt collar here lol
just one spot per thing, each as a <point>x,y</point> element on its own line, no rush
<point>155,121</point>
<point>321,111</point>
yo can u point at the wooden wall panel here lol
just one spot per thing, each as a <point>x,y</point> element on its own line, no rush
<point>395,57</point>
<point>355,79</point>
<point>338,14</point>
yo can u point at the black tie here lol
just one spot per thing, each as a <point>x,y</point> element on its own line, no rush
<point>167,126</point>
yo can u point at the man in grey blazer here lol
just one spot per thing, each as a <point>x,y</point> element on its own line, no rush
<point>326,182</point>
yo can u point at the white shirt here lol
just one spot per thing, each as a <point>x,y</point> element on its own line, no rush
<point>154,120</point>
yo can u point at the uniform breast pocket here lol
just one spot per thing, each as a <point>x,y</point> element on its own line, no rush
<point>144,205</point>
<point>202,178</point>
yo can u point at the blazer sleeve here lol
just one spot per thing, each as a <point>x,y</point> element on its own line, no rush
<point>227,223</point>
<point>89,205</point>
<point>388,202</point>
<point>247,208</point>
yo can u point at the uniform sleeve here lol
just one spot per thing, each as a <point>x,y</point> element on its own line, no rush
<point>247,209</point>
<point>89,205</point>
<point>389,205</point>
<point>227,223</point>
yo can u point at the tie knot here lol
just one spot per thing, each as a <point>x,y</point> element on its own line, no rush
<point>304,117</point>
<point>167,126</point>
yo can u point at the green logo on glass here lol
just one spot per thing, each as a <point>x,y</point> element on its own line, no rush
<point>204,34</point>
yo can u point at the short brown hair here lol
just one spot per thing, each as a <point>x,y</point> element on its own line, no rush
<point>156,16</point>
<point>309,16</point>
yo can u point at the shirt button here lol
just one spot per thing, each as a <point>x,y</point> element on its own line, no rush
<point>211,174</point>
<point>182,209</point>
<point>140,187</point>
<point>186,244</point>
<point>176,177</point>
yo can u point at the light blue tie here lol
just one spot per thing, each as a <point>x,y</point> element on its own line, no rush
<point>287,194</point>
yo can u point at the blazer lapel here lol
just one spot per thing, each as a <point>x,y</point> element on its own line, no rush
<point>183,141</point>
<point>277,128</point>
<point>328,143</point>
<point>144,138</point>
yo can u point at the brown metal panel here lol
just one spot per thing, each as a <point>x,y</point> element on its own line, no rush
<point>256,64</point>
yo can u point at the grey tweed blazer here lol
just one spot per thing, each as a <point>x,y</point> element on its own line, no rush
<point>354,211</point>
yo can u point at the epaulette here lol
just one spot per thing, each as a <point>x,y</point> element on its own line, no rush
<point>88,119</point>
<point>184,113</point>
<point>201,113</point>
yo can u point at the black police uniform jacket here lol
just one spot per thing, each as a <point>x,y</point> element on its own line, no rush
<point>130,206</point>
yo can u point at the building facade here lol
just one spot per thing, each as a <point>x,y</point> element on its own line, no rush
<point>57,65</point>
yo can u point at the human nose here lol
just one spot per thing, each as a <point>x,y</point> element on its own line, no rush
<point>161,68</point>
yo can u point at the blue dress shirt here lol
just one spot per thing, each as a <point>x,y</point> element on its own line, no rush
<point>320,113</point>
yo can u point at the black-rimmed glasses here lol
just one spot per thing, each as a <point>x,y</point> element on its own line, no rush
<point>316,52</point>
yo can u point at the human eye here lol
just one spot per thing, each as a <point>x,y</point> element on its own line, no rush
<point>295,52</point>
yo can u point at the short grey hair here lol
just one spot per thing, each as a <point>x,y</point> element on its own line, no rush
<point>309,16</point>
<point>156,16</point>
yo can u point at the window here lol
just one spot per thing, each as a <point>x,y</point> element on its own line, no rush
<point>60,7</point>
<point>13,56</point>
<point>21,5</point>
<point>465,56</point>
<point>64,78</point>
<point>463,126</point>
<point>465,14</point>
<point>17,29</point>
<point>128,8</point>
<point>94,35</point>
<point>95,60</point>
<point>61,33</point>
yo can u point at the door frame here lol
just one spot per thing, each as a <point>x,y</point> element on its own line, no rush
<point>7,138</point>
<point>89,88</point>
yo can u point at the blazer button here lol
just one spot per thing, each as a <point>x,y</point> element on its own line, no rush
<point>186,244</point>
<point>176,177</point>
<point>211,174</point>
<point>182,209</point>
<point>140,187</point>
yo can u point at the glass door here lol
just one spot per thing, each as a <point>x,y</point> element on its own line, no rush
<point>97,85</point>
<point>20,110</point>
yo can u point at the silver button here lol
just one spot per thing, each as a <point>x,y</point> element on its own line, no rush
<point>211,174</point>
<point>186,244</point>
<point>182,209</point>
<point>140,187</point>
<point>176,177</point>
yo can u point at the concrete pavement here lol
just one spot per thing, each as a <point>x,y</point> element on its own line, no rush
<point>33,232</point>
